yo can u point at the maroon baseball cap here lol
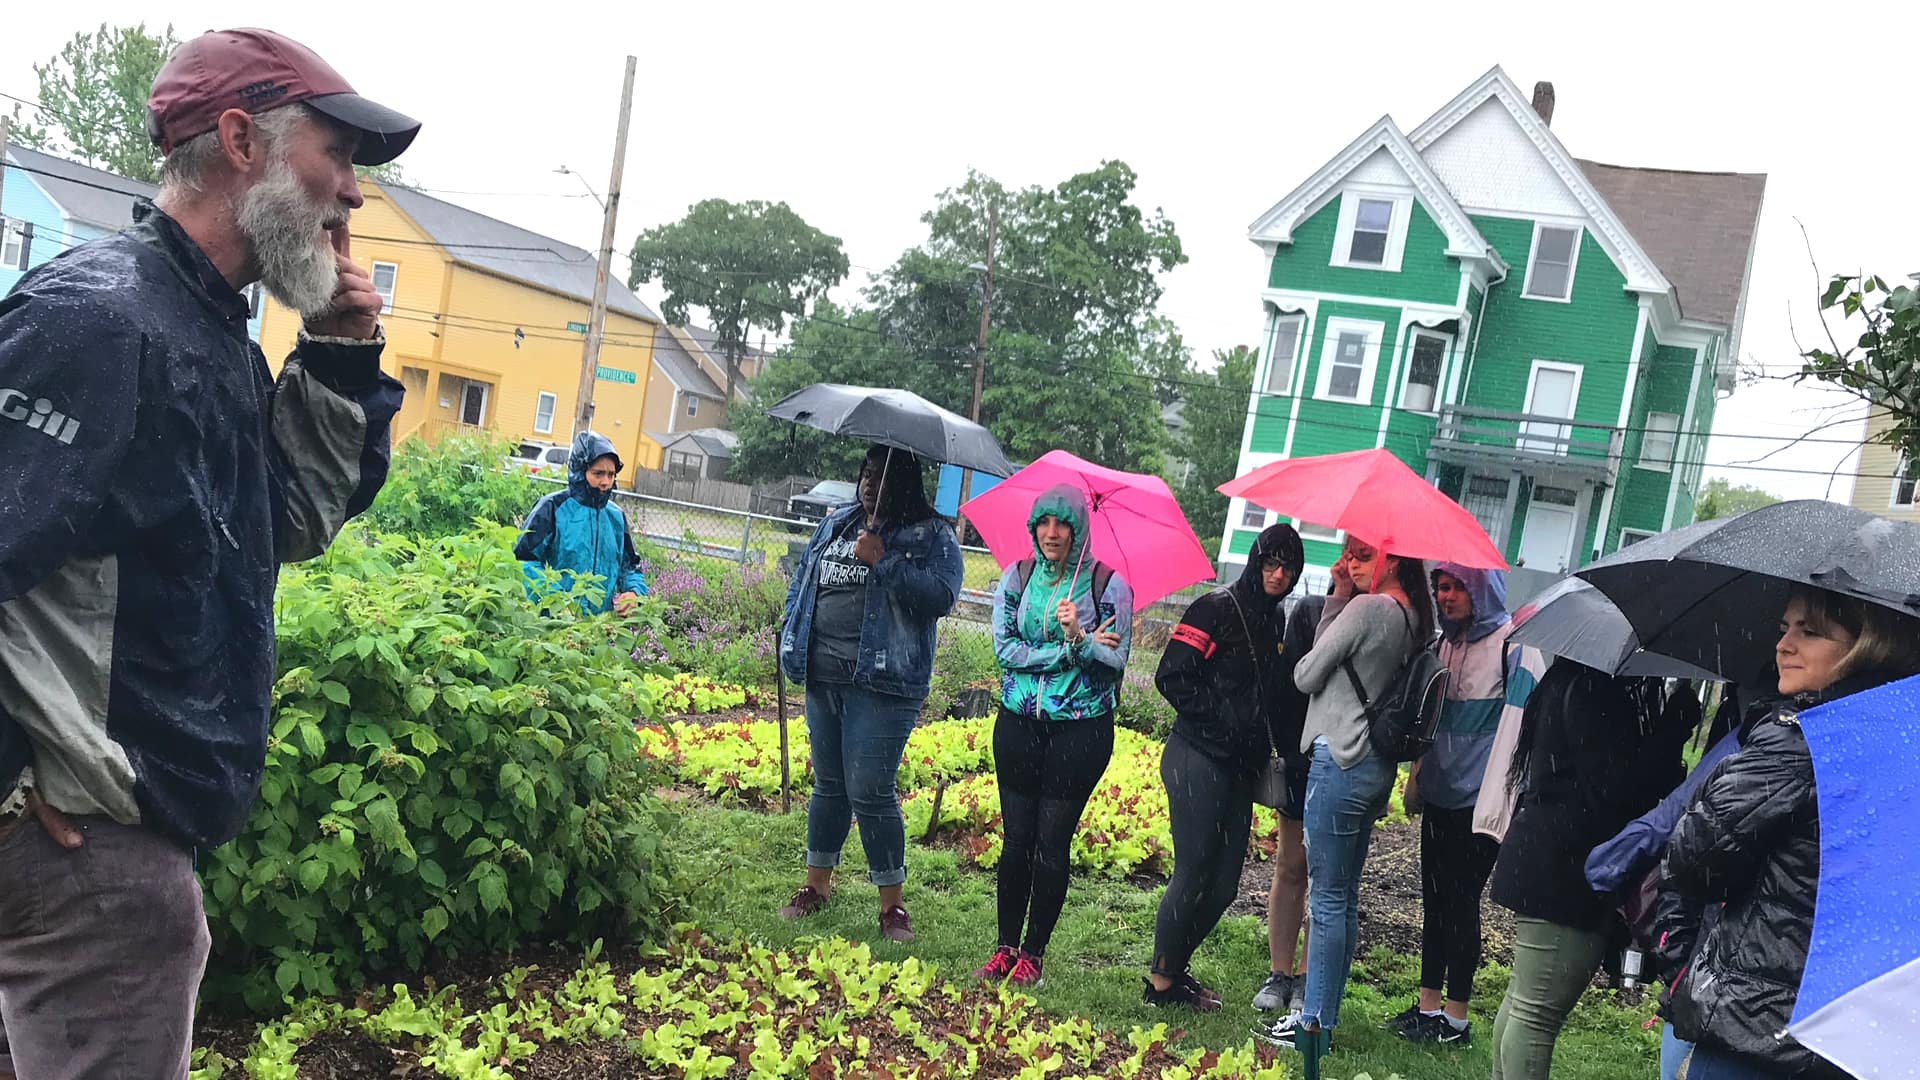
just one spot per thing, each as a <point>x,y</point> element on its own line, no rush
<point>257,71</point>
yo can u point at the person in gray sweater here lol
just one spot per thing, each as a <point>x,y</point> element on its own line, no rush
<point>1380,612</point>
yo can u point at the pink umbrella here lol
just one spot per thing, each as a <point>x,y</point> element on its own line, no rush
<point>1371,495</point>
<point>1137,525</point>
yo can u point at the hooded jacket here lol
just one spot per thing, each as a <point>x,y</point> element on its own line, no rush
<point>1750,838</point>
<point>1041,675</point>
<point>153,474</point>
<point>1474,651</point>
<point>1230,682</point>
<point>580,531</point>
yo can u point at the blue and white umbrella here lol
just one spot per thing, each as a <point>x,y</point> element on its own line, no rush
<point>1859,1003</point>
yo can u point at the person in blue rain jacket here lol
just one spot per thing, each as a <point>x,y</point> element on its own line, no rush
<point>580,531</point>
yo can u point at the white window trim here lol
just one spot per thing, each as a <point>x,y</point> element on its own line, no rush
<point>1573,270</point>
<point>1396,233</point>
<point>1646,429</point>
<point>1900,466</point>
<point>1330,331</point>
<point>1643,534</point>
<point>1293,364</point>
<point>1246,505</point>
<point>693,405</point>
<point>13,235</point>
<point>1319,533</point>
<point>386,298</point>
<point>545,395</point>
<point>1533,376</point>
<point>1439,377</point>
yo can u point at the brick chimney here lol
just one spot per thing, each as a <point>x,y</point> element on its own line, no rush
<point>1543,101</point>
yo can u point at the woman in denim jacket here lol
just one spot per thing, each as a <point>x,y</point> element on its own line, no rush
<point>859,628</point>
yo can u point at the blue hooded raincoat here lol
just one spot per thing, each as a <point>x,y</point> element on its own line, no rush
<point>580,531</point>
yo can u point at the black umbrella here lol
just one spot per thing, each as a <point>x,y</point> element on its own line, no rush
<point>1712,594</point>
<point>897,418</point>
<point>1575,620</point>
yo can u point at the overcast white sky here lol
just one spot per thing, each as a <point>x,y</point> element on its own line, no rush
<point>857,114</point>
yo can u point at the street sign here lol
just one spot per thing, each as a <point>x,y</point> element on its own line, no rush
<point>614,374</point>
<point>577,327</point>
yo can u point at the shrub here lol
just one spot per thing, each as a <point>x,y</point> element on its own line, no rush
<point>442,490</point>
<point>449,769</point>
<point>1141,707</point>
<point>719,618</point>
<point>963,660</point>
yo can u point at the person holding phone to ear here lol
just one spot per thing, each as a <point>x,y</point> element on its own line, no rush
<point>1062,627</point>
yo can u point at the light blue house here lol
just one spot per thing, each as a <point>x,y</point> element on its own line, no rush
<point>50,205</point>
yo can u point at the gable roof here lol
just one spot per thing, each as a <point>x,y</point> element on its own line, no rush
<point>682,369</point>
<point>489,244</point>
<point>78,189</point>
<point>709,341</point>
<point>1699,228</point>
<point>713,442</point>
<point>1463,239</point>
<point>706,343</point>
<point>1641,272</point>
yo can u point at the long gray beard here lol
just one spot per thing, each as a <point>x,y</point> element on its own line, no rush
<point>288,234</point>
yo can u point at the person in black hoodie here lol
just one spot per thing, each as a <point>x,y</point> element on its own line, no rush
<point>1585,745</point>
<point>1222,674</point>
<point>1749,840</point>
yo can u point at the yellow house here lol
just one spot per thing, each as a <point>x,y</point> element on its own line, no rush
<point>486,325</point>
<point>1887,478</point>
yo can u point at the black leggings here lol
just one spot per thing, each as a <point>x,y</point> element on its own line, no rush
<point>1210,810</point>
<point>1047,771</point>
<point>1454,864</point>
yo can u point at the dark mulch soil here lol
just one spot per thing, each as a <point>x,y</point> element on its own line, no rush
<point>339,1055</point>
<point>1389,897</point>
<point>605,1060</point>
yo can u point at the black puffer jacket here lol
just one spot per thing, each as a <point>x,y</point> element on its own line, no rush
<point>1750,838</point>
<point>1225,679</point>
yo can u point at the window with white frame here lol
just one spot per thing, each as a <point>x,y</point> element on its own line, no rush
<point>1371,233</point>
<point>1428,354</point>
<point>1630,537</point>
<point>543,412</point>
<point>693,405</point>
<point>16,239</point>
<point>1556,248</point>
<point>384,276</point>
<point>1309,531</point>
<point>1281,349</point>
<point>1904,481</point>
<point>1347,358</point>
<point>1253,517</point>
<point>1659,440</point>
<point>683,465</point>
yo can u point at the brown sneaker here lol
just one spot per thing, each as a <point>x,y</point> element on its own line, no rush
<point>804,903</point>
<point>895,925</point>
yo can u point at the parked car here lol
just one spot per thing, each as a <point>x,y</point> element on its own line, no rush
<point>819,501</point>
<point>539,458</point>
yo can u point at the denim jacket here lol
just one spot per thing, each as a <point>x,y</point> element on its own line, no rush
<point>909,589</point>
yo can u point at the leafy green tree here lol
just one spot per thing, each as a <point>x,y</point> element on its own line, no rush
<point>1721,499</point>
<point>1214,411</point>
<point>1882,366</point>
<point>1077,357</point>
<point>750,264</point>
<point>94,94</point>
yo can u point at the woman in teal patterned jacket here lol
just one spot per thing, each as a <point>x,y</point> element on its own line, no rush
<point>1062,626</point>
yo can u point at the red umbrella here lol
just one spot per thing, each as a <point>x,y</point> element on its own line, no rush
<point>1137,525</point>
<point>1372,496</point>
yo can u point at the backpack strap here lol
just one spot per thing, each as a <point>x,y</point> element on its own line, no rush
<point>1366,702</point>
<point>1025,568</point>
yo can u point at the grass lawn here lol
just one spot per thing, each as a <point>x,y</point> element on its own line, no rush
<point>746,863</point>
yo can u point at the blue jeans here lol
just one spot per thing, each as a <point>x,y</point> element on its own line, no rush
<point>1673,1053</point>
<point>1342,805</point>
<point>857,737</point>
<point>1711,1065</point>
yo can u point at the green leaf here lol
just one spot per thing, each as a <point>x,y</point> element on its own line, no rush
<point>424,742</point>
<point>336,693</point>
<point>326,774</point>
<point>480,846</point>
<point>350,781</point>
<point>511,776</point>
<point>457,824</point>
<point>287,976</point>
<point>434,922</point>
<point>419,700</point>
<point>1835,288</point>
<point>556,882</point>
<point>313,874</point>
<point>431,873</point>
<point>310,738</point>
<point>493,886</point>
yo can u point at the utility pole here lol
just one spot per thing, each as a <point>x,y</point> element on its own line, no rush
<point>597,317</point>
<point>980,348</point>
<point>6,132</point>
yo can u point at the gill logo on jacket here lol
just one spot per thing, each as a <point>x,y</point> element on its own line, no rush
<point>40,416</point>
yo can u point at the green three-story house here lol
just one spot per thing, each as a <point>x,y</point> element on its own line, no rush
<point>1542,337</point>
